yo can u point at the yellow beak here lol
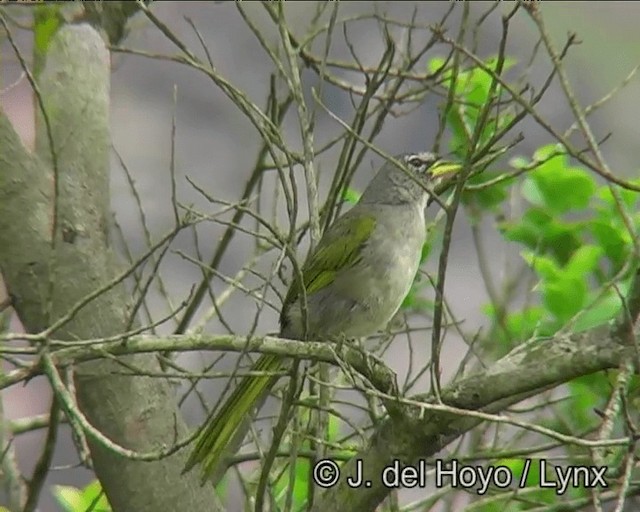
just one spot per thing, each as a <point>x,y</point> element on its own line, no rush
<point>444,167</point>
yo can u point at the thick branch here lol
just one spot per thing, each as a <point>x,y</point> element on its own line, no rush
<point>381,377</point>
<point>47,273</point>
<point>420,433</point>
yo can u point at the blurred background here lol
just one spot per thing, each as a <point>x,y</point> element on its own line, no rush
<point>216,147</point>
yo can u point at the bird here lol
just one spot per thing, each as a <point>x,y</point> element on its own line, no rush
<point>355,280</point>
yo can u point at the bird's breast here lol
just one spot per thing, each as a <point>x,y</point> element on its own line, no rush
<point>365,296</point>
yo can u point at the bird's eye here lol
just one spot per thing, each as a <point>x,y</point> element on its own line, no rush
<point>416,161</point>
<point>420,162</point>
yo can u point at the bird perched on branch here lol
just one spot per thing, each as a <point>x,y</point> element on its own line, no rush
<point>354,280</point>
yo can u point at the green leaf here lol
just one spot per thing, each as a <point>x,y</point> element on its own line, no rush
<point>46,22</point>
<point>302,471</point>
<point>562,293</point>
<point>457,124</point>
<point>351,195</point>
<point>222,487</point>
<point>586,393</point>
<point>435,65</point>
<point>472,90</point>
<point>489,198</point>
<point>522,324</point>
<point>629,197</point>
<point>517,467</point>
<point>601,311</point>
<point>300,485</point>
<point>532,193</point>
<point>91,498</point>
<point>543,265</point>
<point>479,81</point>
<point>69,498</point>
<point>519,325</point>
<point>564,297</point>
<point>504,501</point>
<point>507,63</point>
<point>542,232</point>
<point>556,185</point>
<point>615,242</point>
<point>583,261</point>
<point>93,494</point>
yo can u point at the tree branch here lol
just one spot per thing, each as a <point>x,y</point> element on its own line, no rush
<point>526,371</point>
<point>45,280</point>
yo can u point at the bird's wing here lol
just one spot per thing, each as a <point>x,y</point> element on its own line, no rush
<point>339,248</point>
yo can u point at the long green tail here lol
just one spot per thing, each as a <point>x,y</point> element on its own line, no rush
<point>220,430</point>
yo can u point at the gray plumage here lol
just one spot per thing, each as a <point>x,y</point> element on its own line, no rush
<point>356,279</point>
<point>366,294</point>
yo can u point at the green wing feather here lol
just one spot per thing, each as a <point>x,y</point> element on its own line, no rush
<point>221,430</point>
<point>338,249</point>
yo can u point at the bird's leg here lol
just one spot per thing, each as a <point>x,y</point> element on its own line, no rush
<point>337,347</point>
<point>353,343</point>
<point>340,341</point>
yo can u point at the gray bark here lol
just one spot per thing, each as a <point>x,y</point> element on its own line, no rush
<point>420,434</point>
<point>47,277</point>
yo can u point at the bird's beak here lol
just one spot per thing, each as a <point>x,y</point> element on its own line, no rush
<point>444,167</point>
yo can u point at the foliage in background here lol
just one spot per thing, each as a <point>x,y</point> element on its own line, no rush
<point>576,252</point>
<point>574,242</point>
<point>89,499</point>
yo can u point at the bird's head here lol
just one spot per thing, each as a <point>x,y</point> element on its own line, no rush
<point>419,174</point>
<point>428,168</point>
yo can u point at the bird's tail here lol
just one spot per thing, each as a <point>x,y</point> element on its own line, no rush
<point>221,430</point>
